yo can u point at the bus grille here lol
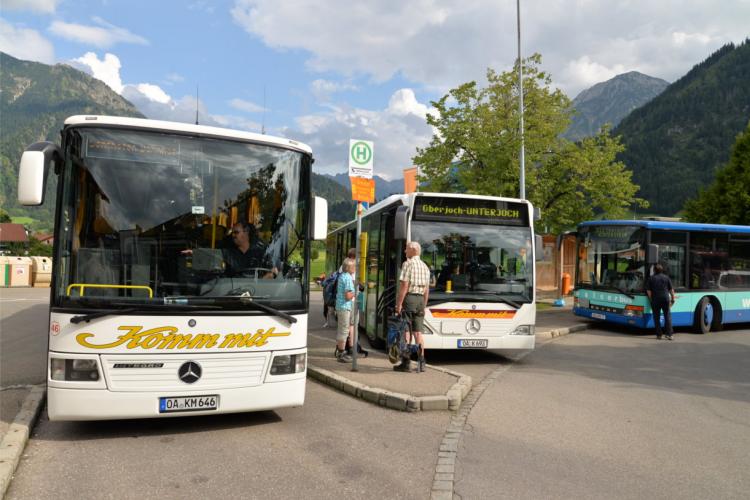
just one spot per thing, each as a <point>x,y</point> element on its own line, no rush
<point>160,373</point>
<point>488,328</point>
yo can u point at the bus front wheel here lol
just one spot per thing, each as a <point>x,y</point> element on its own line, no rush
<point>707,316</point>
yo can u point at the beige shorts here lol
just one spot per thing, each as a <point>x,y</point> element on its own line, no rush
<point>344,320</point>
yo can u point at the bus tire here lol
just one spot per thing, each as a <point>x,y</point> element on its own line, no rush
<point>707,316</point>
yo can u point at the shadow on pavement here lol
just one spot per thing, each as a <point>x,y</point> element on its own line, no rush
<point>172,426</point>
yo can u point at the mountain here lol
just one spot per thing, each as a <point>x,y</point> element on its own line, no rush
<point>383,187</point>
<point>676,142</point>
<point>35,99</point>
<point>610,101</point>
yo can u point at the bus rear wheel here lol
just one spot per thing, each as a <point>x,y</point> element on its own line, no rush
<point>707,316</point>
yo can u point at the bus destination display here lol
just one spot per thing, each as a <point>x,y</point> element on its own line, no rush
<point>470,211</point>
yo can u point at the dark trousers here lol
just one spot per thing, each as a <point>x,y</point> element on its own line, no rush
<point>659,306</point>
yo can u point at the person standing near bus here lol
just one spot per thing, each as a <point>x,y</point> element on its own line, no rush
<point>412,298</point>
<point>661,294</point>
<point>344,302</point>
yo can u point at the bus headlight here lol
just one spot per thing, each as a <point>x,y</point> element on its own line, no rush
<point>74,370</point>
<point>523,330</point>
<point>286,364</point>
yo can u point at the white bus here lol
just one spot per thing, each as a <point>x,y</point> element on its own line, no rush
<point>146,319</point>
<point>481,253</point>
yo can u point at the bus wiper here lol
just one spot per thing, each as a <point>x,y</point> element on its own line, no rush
<point>247,300</point>
<point>140,307</point>
<point>624,292</point>
<point>500,297</point>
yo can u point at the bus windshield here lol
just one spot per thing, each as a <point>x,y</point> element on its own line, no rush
<point>611,257</point>
<point>149,218</point>
<point>469,261</point>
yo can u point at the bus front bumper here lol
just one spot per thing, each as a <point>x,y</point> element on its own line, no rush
<point>102,404</point>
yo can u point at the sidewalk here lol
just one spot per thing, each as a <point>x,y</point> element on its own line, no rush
<point>435,389</point>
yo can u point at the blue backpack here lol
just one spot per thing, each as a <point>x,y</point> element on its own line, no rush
<point>330,287</point>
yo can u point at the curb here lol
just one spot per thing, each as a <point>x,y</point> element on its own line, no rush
<point>559,332</point>
<point>18,434</point>
<point>451,400</point>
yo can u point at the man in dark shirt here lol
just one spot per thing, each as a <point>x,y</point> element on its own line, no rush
<point>247,254</point>
<point>661,294</point>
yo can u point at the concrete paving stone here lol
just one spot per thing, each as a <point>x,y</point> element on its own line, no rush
<point>449,447</point>
<point>445,454</point>
<point>441,495</point>
<point>395,401</point>
<point>447,469</point>
<point>442,485</point>
<point>434,403</point>
<point>443,477</point>
<point>353,388</point>
<point>413,404</point>
<point>371,395</point>
<point>447,460</point>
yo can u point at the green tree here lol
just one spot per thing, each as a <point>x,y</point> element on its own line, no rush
<point>4,217</point>
<point>477,143</point>
<point>727,200</point>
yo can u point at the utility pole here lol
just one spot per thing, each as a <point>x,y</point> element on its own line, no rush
<point>522,180</point>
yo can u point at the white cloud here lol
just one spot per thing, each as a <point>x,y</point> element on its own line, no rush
<point>323,89</point>
<point>107,69</point>
<point>152,100</point>
<point>442,43</point>
<point>103,36</point>
<point>589,73</point>
<point>247,106</point>
<point>396,131</point>
<point>153,93</point>
<point>40,6</point>
<point>26,44</point>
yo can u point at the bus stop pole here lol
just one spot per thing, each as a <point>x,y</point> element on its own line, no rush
<point>355,305</point>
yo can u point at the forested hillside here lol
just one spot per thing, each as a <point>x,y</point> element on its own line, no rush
<point>35,99</point>
<point>340,204</point>
<point>675,143</point>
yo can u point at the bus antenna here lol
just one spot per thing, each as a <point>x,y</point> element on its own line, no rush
<point>263,119</point>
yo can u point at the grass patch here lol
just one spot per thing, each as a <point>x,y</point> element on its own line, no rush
<point>541,306</point>
<point>26,221</point>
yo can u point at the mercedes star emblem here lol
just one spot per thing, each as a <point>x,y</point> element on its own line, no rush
<point>473,326</point>
<point>189,372</point>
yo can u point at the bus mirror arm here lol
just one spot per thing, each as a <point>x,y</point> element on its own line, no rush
<point>400,224</point>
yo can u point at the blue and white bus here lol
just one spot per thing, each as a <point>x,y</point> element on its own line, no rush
<point>709,265</point>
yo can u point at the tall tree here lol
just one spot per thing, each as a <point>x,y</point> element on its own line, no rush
<point>476,149</point>
<point>727,200</point>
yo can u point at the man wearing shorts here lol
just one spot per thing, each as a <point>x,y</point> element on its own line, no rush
<point>413,293</point>
<point>344,301</point>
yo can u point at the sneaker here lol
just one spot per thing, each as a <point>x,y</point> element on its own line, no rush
<point>658,337</point>
<point>344,358</point>
<point>669,337</point>
<point>403,367</point>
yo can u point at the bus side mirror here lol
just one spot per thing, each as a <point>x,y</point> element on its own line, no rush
<point>538,247</point>
<point>320,218</point>
<point>32,173</point>
<point>537,214</point>
<point>400,224</point>
<point>652,254</point>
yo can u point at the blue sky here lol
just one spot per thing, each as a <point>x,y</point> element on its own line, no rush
<point>335,69</point>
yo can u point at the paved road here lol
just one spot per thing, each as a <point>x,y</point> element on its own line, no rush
<point>610,414</point>
<point>593,415</point>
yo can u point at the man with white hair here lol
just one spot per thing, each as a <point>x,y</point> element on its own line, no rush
<point>412,298</point>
